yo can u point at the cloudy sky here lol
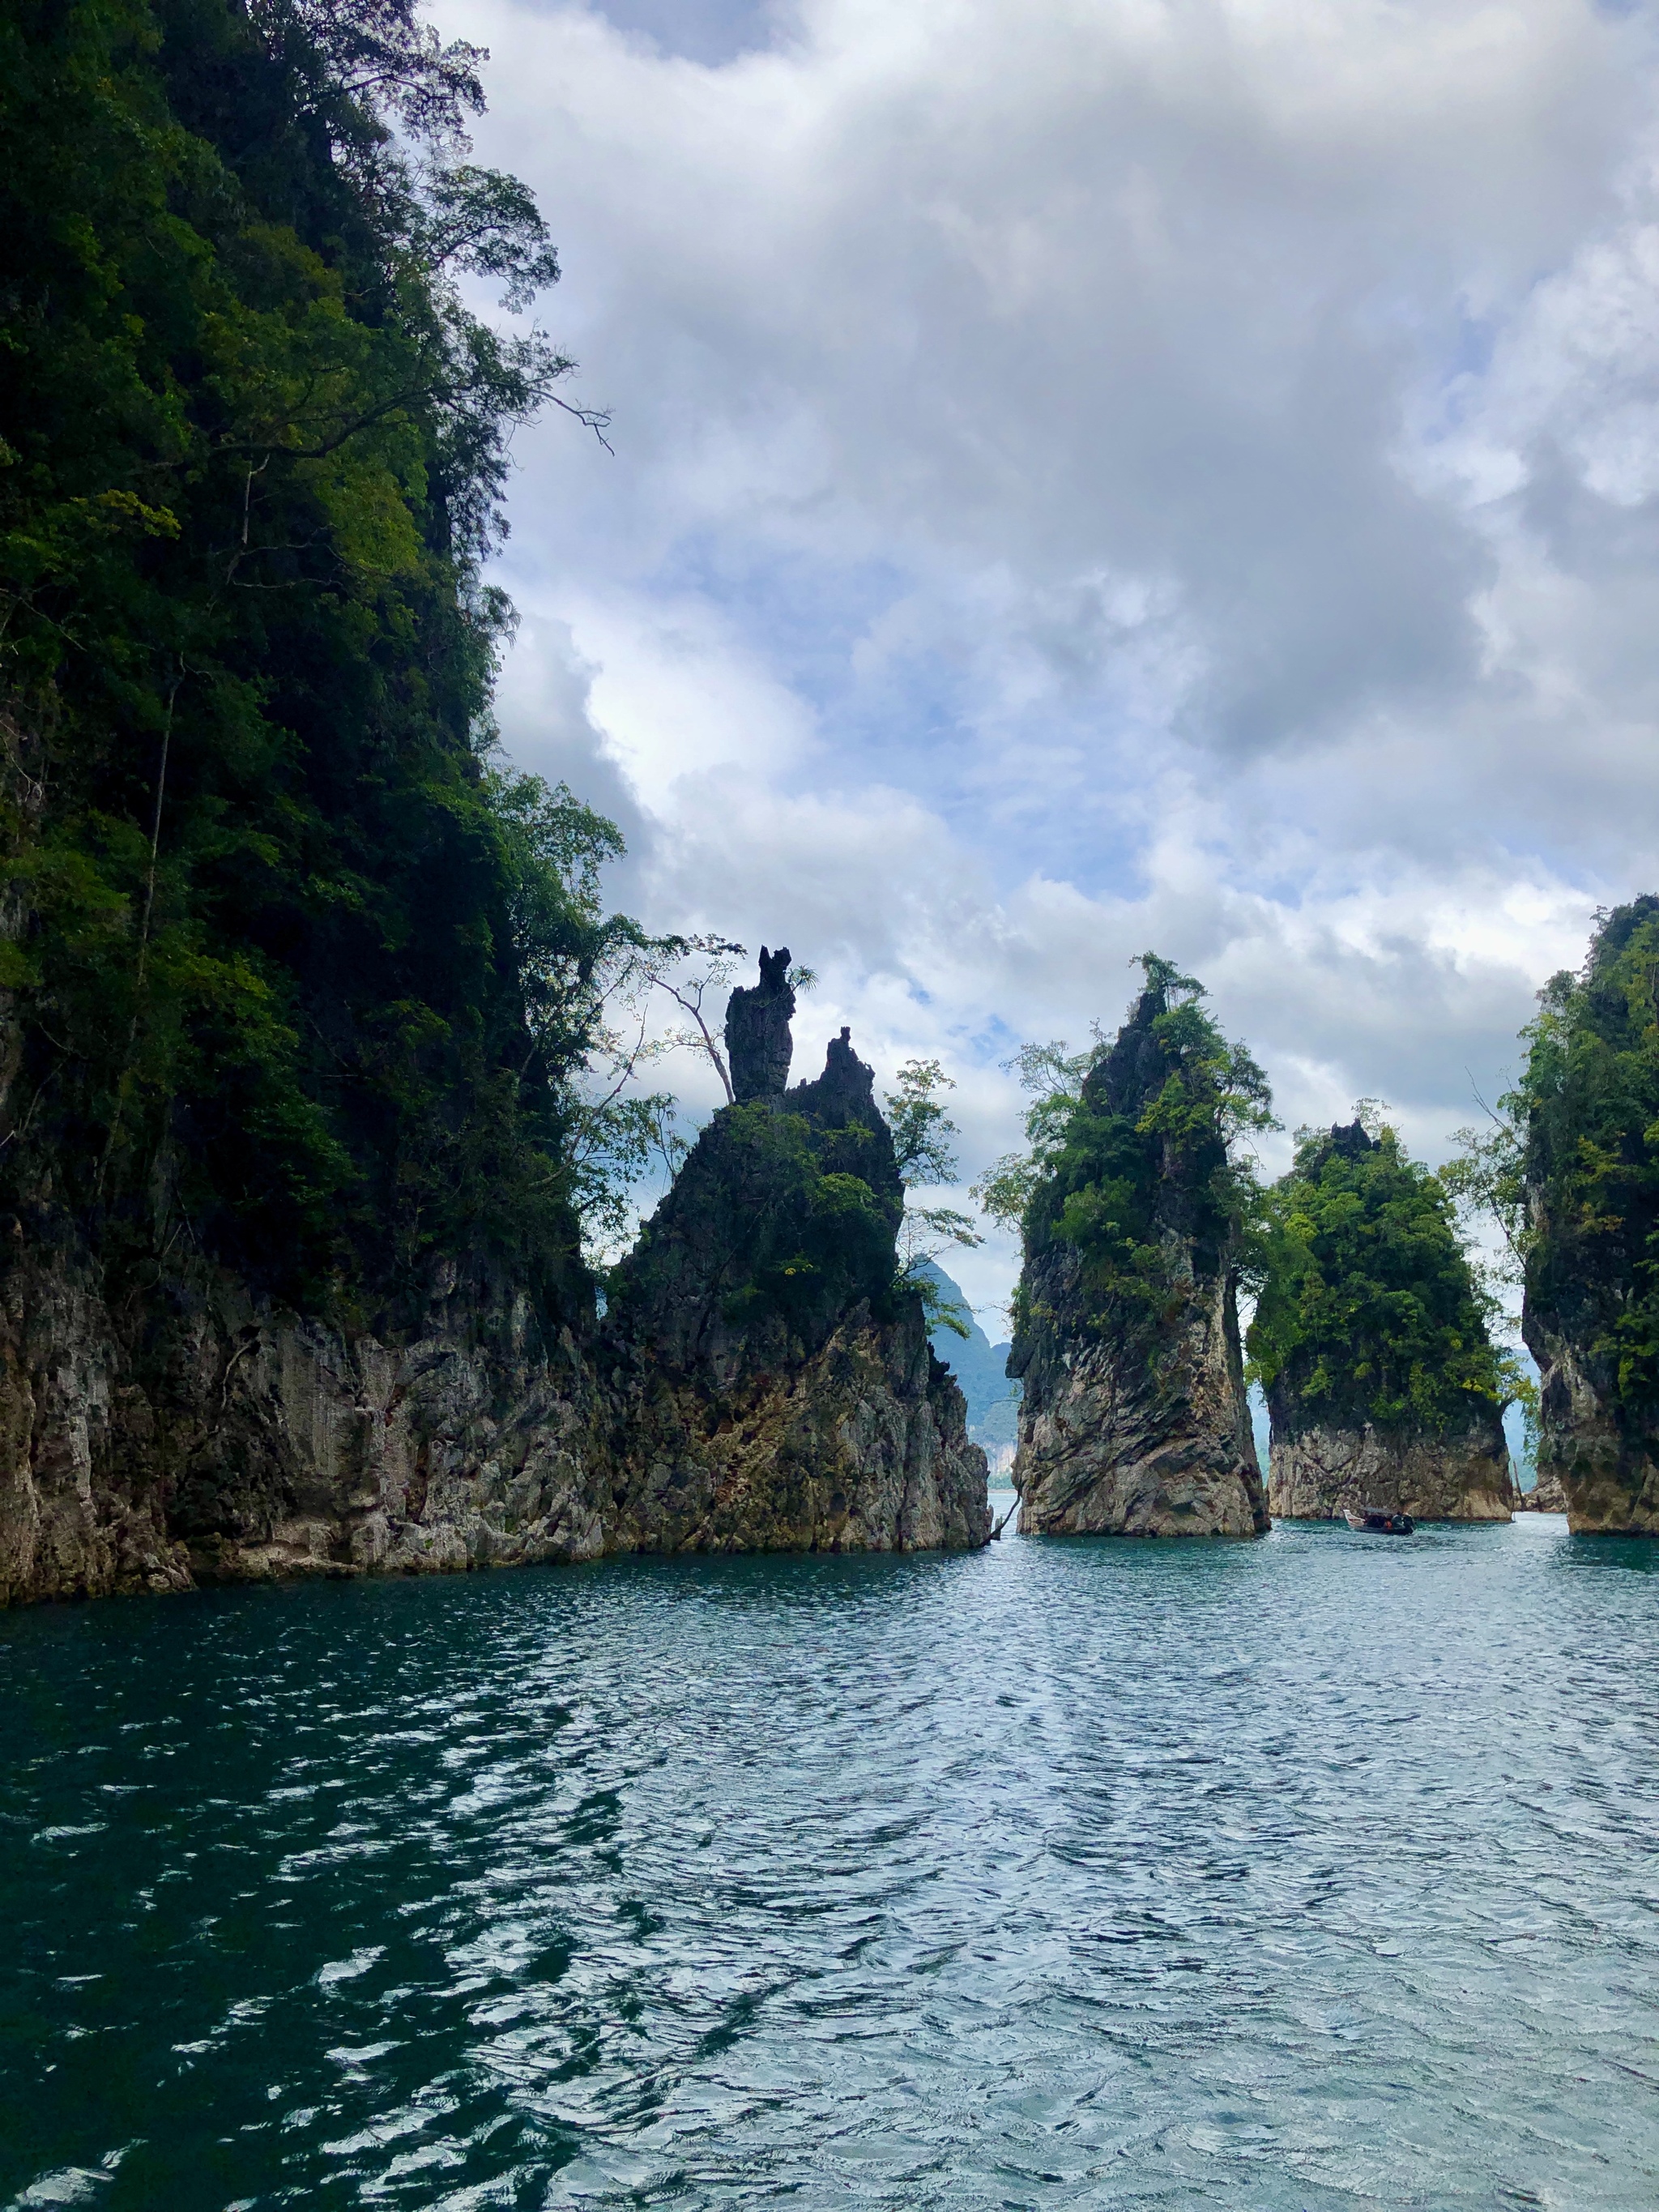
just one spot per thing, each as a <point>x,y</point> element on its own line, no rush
<point>1096,475</point>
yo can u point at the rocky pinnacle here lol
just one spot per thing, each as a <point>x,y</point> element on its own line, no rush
<point>758,1045</point>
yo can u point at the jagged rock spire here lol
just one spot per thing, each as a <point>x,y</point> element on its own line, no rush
<point>1351,1139</point>
<point>758,1044</point>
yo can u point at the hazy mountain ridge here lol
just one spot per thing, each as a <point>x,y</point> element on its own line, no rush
<point>981,1371</point>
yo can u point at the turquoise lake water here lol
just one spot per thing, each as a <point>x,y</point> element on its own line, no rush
<point>1318,1872</point>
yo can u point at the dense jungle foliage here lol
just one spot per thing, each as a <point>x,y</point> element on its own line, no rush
<point>788,1213</point>
<point>299,975</point>
<point>1570,1165</point>
<point>1367,1307</point>
<point>820,1237</point>
<point>1136,1156</point>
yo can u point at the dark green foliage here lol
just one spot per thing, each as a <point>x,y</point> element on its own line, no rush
<point>924,1152</point>
<point>819,1239</point>
<point>1584,1162</point>
<point>781,1221</point>
<point>1368,1310</point>
<point>924,1149</point>
<point>299,978</point>
<point>1143,1158</point>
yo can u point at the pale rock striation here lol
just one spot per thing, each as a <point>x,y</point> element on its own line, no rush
<point>1546,1496</point>
<point>758,1384</point>
<point>1316,1471</point>
<point>773,1389</point>
<point>1116,1441</point>
<point>1131,1425</point>
<point>224,1441</point>
<point>1600,1464</point>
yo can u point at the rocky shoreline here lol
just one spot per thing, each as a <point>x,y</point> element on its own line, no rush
<point>206,1438</point>
<point>1318,1472</point>
<point>1134,1422</point>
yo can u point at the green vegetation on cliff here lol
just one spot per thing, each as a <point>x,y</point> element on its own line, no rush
<point>782,1220</point>
<point>813,1234</point>
<point>1570,1164</point>
<point>298,976</point>
<point>1369,1311</point>
<point>1134,1151</point>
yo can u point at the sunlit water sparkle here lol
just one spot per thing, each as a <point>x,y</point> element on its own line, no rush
<point>1318,1872</point>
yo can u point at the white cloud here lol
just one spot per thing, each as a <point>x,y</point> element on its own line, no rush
<point>1092,476</point>
<point>677,695</point>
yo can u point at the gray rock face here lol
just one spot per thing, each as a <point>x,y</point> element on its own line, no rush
<point>748,1392</point>
<point>234,1444</point>
<point>758,1042</point>
<point>1134,1423</point>
<point>1317,1472</point>
<point>1352,1139</point>
<point>1114,1443</point>
<point>861,1445</point>
<point>773,1391</point>
<point>1604,1469</point>
<point>1546,1496</point>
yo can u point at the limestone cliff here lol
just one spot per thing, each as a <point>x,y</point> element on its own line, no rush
<point>1382,1384</point>
<point>1315,1471</point>
<point>771,1388</point>
<point>299,982</point>
<point>1596,1456</point>
<point>757,1384</point>
<point>1546,1496</point>
<point>1122,1437</point>
<point>1584,1119</point>
<point>212,1438</point>
<point>1134,1420</point>
<point>759,1043</point>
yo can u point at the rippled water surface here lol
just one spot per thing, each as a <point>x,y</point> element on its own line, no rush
<point>1316,1872</point>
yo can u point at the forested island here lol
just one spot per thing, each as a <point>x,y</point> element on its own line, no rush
<point>301,983</point>
<point>300,977</point>
<point>1142,1220</point>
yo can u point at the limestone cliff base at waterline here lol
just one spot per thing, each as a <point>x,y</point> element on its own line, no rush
<point>233,1443</point>
<point>1601,1460</point>
<point>864,1448</point>
<point>1318,1473</point>
<point>745,1392</point>
<point>773,1381</point>
<point>215,1439</point>
<point>1114,1441</point>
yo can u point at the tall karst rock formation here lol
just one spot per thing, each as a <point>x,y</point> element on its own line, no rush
<point>759,1382</point>
<point>1134,1420</point>
<point>298,983</point>
<point>772,1387</point>
<point>1587,1112</point>
<point>1385,1389</point>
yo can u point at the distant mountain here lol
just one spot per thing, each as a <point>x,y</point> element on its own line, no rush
<point>979,1366</point>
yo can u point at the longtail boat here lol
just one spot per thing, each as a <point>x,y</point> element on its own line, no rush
<point>1378,1520</point>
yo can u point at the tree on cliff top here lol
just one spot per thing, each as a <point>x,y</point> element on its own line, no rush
<point>299,976</point>
<point>925,1150</point>
<point>1137,1142</point>
<point>1571,1167</point>
<point>1369,1308</point>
